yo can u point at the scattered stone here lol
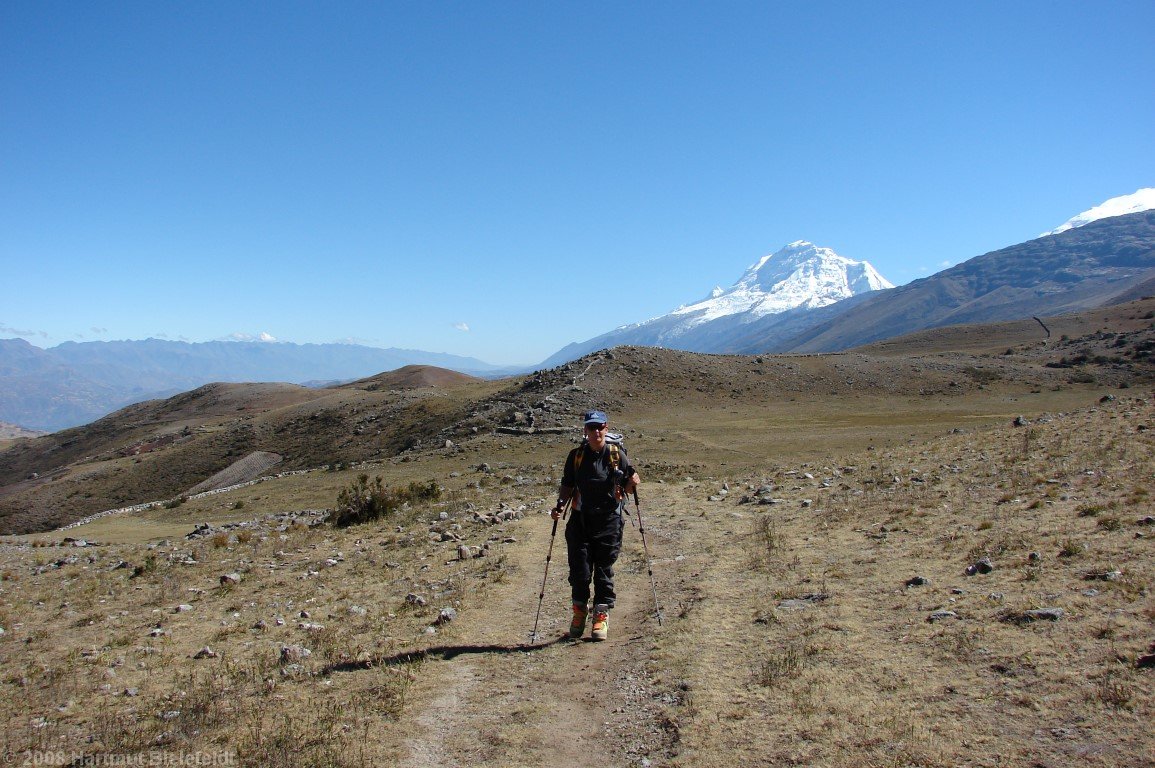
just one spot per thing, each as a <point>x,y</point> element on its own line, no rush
<point>1148,520</point>
<point>463,553</point>
<point>229,579</point>
<point>1019,421</point>
<point>356,610</point>
<point>445,616</point>
<point>1105,576</point>
<point>294,654</point>
<point>182,608</point>
<point>414,599</point>
<point>803,601</point>
<point>261,626</point>
<point>941,616</point>
<point>983,566</point>
<point>157,632</point>
<point>1037,614</point>
<point>130,692</point>
<point>205,653</point>
<point>918,581</point>
<point>1034,557</point>
<point>310,626</point>
<point>1146,661</point>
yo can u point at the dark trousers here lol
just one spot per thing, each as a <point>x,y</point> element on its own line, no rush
<point>593,540</point>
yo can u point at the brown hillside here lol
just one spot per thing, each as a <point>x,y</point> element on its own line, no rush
<point>1131,317</point>
<point>157,450</point>
<point>411,377</point>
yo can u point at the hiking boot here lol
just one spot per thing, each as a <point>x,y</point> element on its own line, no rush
<point>601,628</point>
<point>577,627</point>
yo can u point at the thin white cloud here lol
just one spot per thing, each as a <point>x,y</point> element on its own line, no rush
<point>22,332</point>
<point>462,326</point>
<point>242,336</point>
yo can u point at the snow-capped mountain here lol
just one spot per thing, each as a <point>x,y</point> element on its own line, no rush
<point>1141,200</point>
<point>800,275</point>
<point>777,291</point>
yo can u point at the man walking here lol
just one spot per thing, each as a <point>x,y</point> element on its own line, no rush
<point>597,476</point>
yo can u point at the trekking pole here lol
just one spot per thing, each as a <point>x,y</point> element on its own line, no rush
<point>548,557</point>
<point>646,549</point>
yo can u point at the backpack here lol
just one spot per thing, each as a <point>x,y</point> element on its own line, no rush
<point>616,443</point>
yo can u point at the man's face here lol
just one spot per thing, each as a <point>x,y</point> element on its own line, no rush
<point>596,434</point>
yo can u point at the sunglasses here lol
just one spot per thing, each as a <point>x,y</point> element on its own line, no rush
<point>595,427</point>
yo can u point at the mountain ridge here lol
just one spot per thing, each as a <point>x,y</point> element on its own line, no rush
<point>1094,265</point>
<point>776,291</point>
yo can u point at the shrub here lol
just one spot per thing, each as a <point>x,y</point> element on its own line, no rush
<point>1110,523</point>
<point>363,502</point>
<point>1071,548</point>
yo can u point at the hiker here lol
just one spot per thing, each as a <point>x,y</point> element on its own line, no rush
<point>597,476</point>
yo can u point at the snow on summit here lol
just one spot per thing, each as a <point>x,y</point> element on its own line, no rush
<point>1142,200</point>
<point>800,275</point>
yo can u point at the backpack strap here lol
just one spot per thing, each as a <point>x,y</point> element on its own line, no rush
<point>579,454</point>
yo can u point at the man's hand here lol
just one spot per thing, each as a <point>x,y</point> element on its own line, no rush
<point>555,513</point>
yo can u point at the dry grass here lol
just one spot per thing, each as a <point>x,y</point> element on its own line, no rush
<point>866,677</point>
<point>84,674</point>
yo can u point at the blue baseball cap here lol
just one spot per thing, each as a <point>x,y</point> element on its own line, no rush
<point>594,417</point>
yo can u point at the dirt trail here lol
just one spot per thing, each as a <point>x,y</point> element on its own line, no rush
<point>560,702</point>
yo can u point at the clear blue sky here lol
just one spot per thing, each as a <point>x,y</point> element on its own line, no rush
<point>498,179</point>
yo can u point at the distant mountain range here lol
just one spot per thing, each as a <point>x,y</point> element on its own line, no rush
<point>809,299</point>
<point>75,383</point>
